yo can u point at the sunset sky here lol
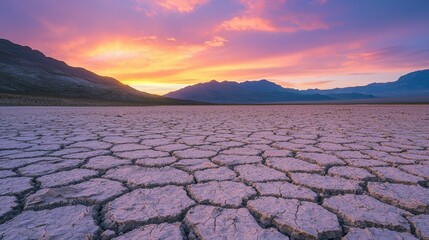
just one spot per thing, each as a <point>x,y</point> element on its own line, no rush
<point>162,45</point>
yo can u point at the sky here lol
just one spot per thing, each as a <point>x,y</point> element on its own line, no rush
<point>158,46</point>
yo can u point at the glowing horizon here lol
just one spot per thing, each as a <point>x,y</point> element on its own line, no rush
<point>161,46</point>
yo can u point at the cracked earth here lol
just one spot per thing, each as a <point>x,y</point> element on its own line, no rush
<point>215,172</point>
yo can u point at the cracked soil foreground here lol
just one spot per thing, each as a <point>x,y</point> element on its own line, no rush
<point>215,172</point>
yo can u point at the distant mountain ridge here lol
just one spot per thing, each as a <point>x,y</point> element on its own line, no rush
<point>411,84</point>
<point>263,91</point>
<point>24,71</point>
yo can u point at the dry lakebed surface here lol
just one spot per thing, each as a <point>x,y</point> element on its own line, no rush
<point>215,172</point>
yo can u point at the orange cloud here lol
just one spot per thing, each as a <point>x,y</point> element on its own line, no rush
<point>216,42</point>
<point>248,23</point>
<point>151,7</point>
<point>181,5</point>
<point>290,24</point>
<point>250,19</point>
<point>366,55</point>
<point>257,17</point>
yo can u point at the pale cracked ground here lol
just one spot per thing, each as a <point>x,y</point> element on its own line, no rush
<point>220,172</point>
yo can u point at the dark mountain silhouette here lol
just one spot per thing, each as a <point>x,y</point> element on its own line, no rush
<point>27,72</point>
<point>261,91</point>
<point>411,85</point>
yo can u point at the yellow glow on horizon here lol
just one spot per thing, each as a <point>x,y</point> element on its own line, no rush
<point>157,88</point>
<point>159,66</point>
<point>146,62</point>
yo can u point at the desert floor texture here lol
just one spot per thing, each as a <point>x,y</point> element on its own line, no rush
<point>215,172</point>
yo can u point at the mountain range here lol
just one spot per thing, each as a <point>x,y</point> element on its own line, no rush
<point>27,72</point>
<point>28,77</point>
<point>411,84</point>
<point>406,88</point>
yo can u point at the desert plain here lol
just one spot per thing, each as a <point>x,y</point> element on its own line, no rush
<point>215,172</point>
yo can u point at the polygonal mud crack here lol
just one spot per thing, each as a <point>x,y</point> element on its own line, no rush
<point>194,153</point>
<point>66,177</point>
<point>365,211</point>
<point>7,205</point>
<point>411,198</point>
<point>394,175</point>
<point>207,222</point>
<point>420,170</point>
<point>15,185</point>
<point>143,206</point>
<point>244,151</point>
<point>165,231</point>
<point>285,190</point>
<point>7,173</point>
<point>301,220</point>
<point>376,234</point>
<point>233,160</point>
<point>325,184</point>
<point>71,222</point>
<point>215,174</point>
<point>156,162</point>
<point>224,194</point>
<point>136,176</point>
<point>289,164</point>
<point>94,191</point>
<point>142,154</point>
<point>351,173</point>
<point>420,224</point>
<point>191,165</point>
<point>106,162</point>
<point>47,167</point>
<point>259,173</point>
<point>321,159</point>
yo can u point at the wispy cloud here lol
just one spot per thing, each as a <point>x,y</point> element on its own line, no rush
<point>217,41</point>
<point>152,7</point>
<point>259,15</point>
<point>315,83</point>
<point>248,23</point>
